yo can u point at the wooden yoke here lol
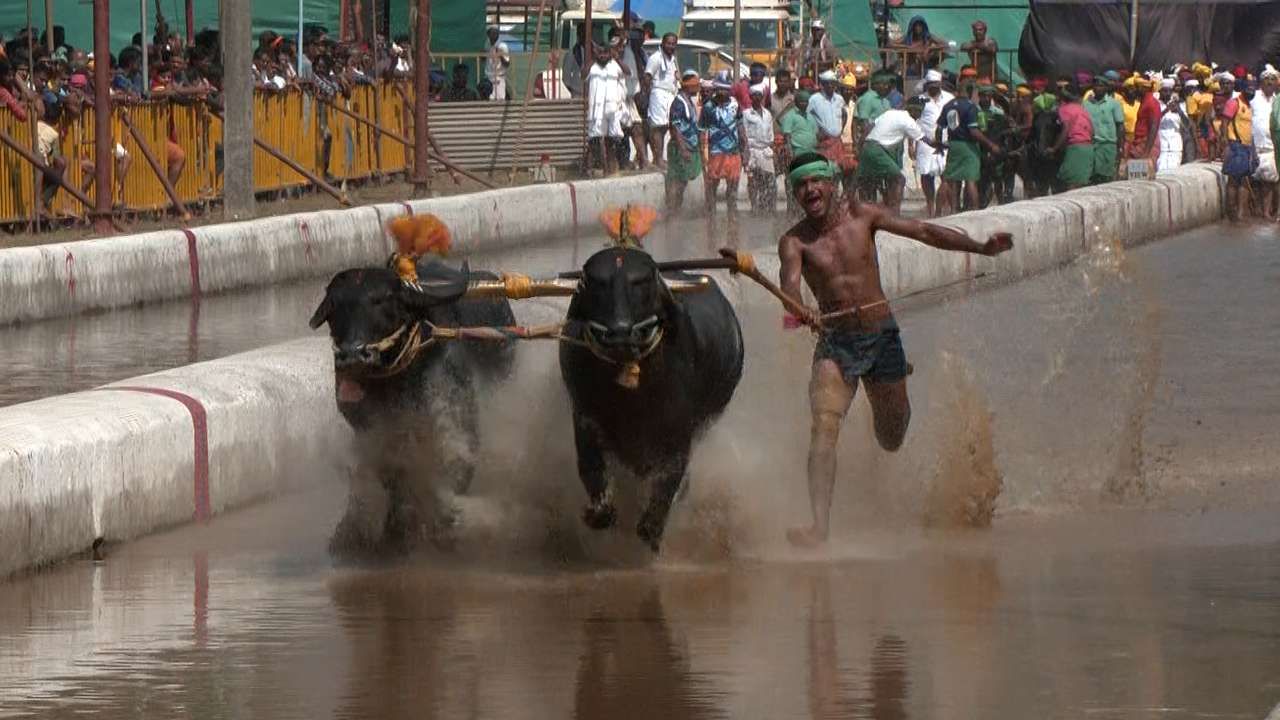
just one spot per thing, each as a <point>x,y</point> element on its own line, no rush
<point>515,286</point>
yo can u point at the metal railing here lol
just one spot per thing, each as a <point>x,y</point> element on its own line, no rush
<point>352,137</point>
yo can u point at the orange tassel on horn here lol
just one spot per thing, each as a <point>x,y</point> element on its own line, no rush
<point>628,226</point>
<point>417,235</point>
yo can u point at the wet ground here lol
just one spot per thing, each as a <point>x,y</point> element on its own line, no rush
<point>1120,412</point>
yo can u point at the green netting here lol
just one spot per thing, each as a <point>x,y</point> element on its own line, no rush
<point>852,30</point>
<point>457,25</point>
<point>1004,25</point>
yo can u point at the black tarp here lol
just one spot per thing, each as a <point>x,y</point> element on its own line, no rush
<point>1062,36</point>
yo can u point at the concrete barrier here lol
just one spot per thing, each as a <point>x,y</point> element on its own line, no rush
<point>64,279</point>
<point>157,450</point>
<point>161,449</point>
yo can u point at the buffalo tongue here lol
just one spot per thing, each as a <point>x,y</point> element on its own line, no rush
<point>349,391</point>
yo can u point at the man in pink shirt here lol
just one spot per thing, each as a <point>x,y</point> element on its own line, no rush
<point>1075,142</point>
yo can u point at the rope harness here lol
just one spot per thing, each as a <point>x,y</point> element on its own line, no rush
<point>414,343</point>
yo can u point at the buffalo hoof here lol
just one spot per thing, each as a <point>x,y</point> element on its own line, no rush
<point>600,515</point>
<point>650,531</point>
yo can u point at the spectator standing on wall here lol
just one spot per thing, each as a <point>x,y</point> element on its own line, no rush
<point>982,51</point>
<point>661,71</point>
<point>930,161</point>
<point>496,65</point>
<point>757,123</point>
<point>606,108</point>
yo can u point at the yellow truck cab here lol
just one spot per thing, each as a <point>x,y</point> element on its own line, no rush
<point>767,27</point>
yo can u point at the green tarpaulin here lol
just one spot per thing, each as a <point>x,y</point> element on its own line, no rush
<point>852,30</point>
<point>457,25</point>
<point>1003,24</point>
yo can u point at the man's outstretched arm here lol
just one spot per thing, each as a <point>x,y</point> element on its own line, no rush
<point>941,237</point>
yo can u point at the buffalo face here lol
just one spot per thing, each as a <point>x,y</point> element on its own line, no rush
<point>623,303</point>
<point>366,308</point>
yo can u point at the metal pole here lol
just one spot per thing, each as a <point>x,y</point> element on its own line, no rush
<point>103,158</point>
<point>191,22</point>
<point>298,59</point>
<point>146,77</point>
<point>150,157</point>
<point>737,38</point>
<point>421,96</point>
<point>48,25</point>
<point>37,188</point>
<point>588,50</point>
<point>236,33</point>
<point>1133,33</point>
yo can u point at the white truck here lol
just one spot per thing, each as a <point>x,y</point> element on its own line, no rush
<point>550,83</point>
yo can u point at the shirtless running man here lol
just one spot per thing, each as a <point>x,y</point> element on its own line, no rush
<point>833,249</point>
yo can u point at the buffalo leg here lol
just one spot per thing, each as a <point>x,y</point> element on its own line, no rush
<point>599,512</point>
<point>666,484</point>
<point>459,435</point>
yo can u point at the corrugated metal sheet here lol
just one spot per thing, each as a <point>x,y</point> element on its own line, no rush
<point>486,136</point>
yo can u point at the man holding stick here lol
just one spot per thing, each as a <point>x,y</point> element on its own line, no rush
<point>833,250</point>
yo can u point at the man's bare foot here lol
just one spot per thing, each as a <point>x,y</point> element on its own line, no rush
<point>806,537</point>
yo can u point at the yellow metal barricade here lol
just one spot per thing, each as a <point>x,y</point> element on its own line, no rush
<point>292,121</point>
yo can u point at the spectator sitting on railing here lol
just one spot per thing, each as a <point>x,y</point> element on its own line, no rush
<point>49,150</point>
<point>458,91</point>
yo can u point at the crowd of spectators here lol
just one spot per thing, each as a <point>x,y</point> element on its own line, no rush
<point>54,86</point>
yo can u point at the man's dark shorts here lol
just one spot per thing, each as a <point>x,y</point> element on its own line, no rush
<point>876,356</point>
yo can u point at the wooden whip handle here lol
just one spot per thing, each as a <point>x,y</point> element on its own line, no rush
<point>747,266</point>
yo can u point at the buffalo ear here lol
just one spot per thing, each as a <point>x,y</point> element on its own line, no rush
<point>321,315</point>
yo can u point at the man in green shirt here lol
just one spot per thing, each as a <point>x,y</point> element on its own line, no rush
<point>1108,131</point>
<point>875,101</point>
<point>799,134</point>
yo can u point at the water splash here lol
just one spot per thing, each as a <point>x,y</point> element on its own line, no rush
<point>967,481</point>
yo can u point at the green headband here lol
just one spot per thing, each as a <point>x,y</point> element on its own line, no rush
<point>821,169</point>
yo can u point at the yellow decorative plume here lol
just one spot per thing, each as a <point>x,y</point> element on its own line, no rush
<point>417,235</point>
<point>628,226</point>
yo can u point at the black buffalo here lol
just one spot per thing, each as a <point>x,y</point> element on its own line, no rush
<point>414,413</point>
<point>688,353</point>
<point>1041,175</point>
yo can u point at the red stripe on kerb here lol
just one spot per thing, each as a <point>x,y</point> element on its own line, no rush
<point>71,273</point>
<point>573,201</point>
<point>193,259</point>
<point>200,427</point>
